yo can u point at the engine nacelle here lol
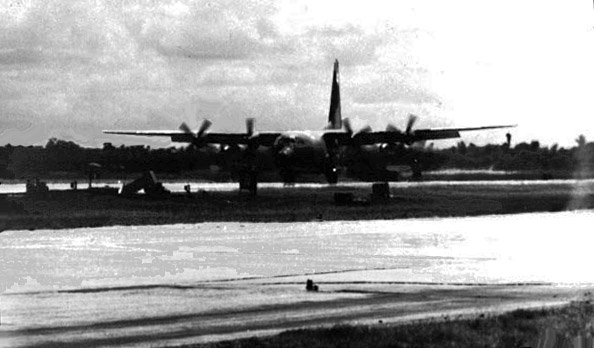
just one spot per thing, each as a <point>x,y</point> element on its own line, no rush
<point>230,149</point>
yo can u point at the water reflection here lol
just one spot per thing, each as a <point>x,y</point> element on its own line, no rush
<point>514,248</point>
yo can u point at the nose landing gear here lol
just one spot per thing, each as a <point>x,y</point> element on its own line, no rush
<point>330,170</point>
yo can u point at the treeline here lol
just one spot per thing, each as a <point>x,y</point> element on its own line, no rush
<point>59,158</point>
<point>521,157</point>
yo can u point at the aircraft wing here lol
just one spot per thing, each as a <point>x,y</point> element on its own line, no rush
<point>368,138</point>
<point>146,133</point>
<point>263,138</point>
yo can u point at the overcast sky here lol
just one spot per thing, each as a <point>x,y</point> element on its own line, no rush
<point>72,68</point>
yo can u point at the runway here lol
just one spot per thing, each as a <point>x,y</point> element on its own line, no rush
<point>174,284</point>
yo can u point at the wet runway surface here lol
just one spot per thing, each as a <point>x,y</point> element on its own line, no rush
<point>187,283</point>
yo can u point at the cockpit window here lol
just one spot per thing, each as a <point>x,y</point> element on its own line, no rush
<point>299,140</point>
<point>285,141</point>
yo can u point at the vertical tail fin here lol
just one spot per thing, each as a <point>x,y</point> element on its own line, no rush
<point>334,116</point>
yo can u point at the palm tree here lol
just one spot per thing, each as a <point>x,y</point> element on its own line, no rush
<point>581,141</point>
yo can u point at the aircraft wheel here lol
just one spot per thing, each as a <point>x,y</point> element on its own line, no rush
<point>330,170</point>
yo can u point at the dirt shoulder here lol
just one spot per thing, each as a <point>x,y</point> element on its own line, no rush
<point>83,208</point>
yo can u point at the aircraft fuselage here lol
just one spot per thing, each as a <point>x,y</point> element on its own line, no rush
<point>300,150</point>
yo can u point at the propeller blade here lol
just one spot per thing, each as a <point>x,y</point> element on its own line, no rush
<point>366,129</point>
<point>410,123</point>
<point>196,138</point>
<point>249,125</point>
<point>203,127</point>
<point>392,128</point>
<point>184,128</point>
<point>347,126</point>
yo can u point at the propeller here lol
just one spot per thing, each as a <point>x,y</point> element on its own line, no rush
<point>249,125</point>
<point>410,123</point>
<point>199,135</point>
<point>392,128</point>
<point>354,149</point>
<point>252,140</point>
<point>408,134</point>
<point>349,129</point>
<point>347,126</point>
<point>366,129</point>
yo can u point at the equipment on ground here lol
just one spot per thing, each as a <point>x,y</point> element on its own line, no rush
<point>148,182</point>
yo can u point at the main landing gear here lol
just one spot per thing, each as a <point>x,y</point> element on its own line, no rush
<point>248,180</point>
<point>416,170</point>
<point>248,171</point>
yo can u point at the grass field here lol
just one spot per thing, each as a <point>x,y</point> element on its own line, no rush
<point>70,209</point>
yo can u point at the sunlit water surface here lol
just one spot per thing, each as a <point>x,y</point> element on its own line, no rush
<point>64,280</point>
<point>550,247</point>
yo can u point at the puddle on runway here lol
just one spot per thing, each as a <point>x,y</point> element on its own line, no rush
<point>541,247</point>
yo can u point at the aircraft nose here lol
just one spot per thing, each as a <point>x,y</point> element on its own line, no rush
<point>286,151</point>
<point>285,155</point>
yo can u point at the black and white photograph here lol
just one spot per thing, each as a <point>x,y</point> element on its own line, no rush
<point>296,173</point>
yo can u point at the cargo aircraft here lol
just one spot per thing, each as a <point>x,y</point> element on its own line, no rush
<point>301,150</point>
